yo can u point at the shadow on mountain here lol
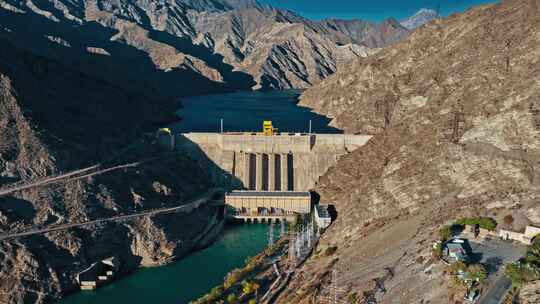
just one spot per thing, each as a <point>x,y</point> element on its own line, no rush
<point>92,102</point>
<point>219,176</point>
<point>124,65</point>
<point>17,209</point>
<point>237,80</point>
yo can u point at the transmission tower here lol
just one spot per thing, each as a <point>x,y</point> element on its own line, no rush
<point>334,289</point>
<point>292,250</point>
<point>271,235</point>
<point>282,232</point>
<point>299,245</point>
<point>309,235</point>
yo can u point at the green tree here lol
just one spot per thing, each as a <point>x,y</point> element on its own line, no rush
<point>247,287</point>
<point>216,292</point>
<point>456,267</point>
<point>533,253</point>
<point>445,233</point>
<point>255,287</point>
<point>252,301</point>
<point>352,298</point>
<point>476,272</point>
<point>232,299</point>
<point>484,222</point>
<point>521,272</point>
<point>437,251</point>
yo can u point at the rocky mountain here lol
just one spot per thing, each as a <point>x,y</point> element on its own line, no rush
<point>214,45</point>
<point>81,81</point>
<point>422,17</point>
<point>55,119</point>
<point>455,114</point>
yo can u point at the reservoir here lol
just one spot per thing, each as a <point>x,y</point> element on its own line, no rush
<point>185,280</point>
<point>195,275</point>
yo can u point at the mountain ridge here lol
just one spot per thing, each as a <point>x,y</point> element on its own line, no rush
<point>188,31</point>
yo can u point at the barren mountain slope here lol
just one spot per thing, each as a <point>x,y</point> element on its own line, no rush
<point>54,120</point>
<point>455,110</point>
<point>210,45</point>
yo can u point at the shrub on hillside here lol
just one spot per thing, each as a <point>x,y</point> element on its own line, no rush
<point>330,250</point>
<point>520,273</point>
<point>445,233</point>
<point>437,251</point>
<point>476,272</point>
<point>484,222</point>
<point>232,299</point>
<point>508,220</point>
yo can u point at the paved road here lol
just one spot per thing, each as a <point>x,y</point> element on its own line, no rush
<point>120,218</point>
<point>497,291</point>
<point>72,176</point>
<point>497,253</point>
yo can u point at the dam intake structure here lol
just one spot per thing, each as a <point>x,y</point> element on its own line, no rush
<point>258,162</point>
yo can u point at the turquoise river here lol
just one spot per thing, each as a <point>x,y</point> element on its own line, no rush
<point>193,276</point>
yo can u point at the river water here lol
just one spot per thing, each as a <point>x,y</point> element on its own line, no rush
<point>196,274</point>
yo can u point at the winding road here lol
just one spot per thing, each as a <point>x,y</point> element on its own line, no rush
<point>72,176</point>
<point>498,291</point>
<point>120,218</point>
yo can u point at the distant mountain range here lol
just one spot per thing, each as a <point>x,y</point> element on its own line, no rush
<point>187,47</point>
<point>422,17</point>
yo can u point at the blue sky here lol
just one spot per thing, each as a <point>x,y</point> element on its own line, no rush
<point>374,10</point>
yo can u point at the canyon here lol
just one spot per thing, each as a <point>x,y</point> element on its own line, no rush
<point>451,109</point>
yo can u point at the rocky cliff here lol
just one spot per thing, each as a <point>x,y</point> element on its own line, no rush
<point>192,47</point>
<point>55,119</point>
<point>454,110</point>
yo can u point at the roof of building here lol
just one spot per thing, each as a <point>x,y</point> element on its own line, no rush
<point>269,193</point>
<point>322,210</point>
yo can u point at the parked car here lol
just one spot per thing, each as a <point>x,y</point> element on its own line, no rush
<point>472,295</point>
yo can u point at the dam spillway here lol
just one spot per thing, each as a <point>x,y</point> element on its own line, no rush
<point>253,161</point>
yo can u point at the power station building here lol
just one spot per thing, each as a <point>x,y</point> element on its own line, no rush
<point>267,205</point>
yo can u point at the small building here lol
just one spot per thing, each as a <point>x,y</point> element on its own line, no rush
<point>526,237</point>
<point>322,216</point>
<point>269,202</point>
<point>456,250</point>
<point>98,273</point>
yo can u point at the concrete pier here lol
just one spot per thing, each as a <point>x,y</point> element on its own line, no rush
<point>284,173</point>
<point>272,172</point>
<point>259,172</point>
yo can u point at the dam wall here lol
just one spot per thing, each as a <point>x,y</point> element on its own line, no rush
<point>283,162</point>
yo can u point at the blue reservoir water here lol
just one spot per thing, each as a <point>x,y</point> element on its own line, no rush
<point>186,279</point>
<point>196,274</point>
<point>245,111</point>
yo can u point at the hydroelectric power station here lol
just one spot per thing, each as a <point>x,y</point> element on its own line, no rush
<point>275,169</point>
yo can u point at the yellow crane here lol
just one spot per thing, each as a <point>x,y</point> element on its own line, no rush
<point>268,128</point>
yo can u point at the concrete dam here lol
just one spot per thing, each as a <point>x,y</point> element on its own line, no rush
<point>259,162</point>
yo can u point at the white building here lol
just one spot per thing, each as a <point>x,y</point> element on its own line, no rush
<point>526,238</point>
<point>322,217</point>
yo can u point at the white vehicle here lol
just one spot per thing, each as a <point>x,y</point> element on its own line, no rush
<point>472,296</point>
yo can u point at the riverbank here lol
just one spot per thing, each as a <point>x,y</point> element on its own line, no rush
<point>186,278</point>
<point>250,282</point>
